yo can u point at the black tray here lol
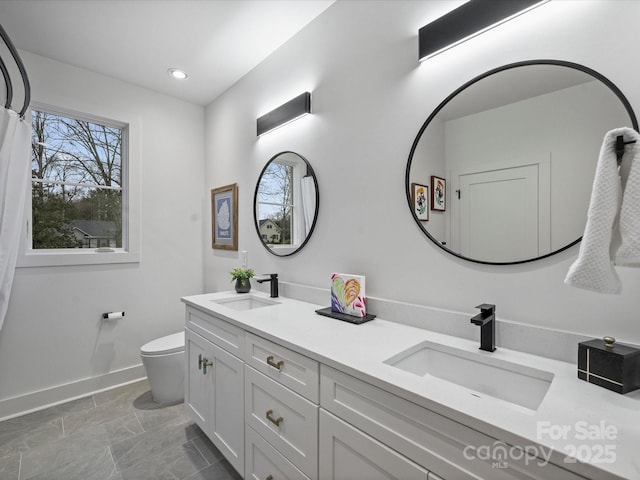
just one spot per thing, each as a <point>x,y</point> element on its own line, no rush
<point>344,317</point>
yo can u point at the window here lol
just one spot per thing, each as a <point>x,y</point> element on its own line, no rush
<point>79,196</point>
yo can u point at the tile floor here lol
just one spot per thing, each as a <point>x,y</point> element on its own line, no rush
<point>120,434</point>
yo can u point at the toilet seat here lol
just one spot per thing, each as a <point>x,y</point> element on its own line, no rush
<point>173,343</point>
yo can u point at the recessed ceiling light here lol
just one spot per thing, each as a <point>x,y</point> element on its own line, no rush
<point>177,73</point>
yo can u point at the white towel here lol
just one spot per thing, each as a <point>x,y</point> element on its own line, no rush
<point>612,234</point>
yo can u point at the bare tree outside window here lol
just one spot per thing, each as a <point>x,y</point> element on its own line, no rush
<point>76,199</point>
<point>275,200</point>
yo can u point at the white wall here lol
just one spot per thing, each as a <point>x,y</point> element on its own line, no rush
<point>53,334</point>
<point>430,158</point>
<point>370,96</point>
<point>570,139</point>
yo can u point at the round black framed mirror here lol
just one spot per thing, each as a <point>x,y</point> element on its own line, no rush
<point>501,171</point>
<point>286,203</point>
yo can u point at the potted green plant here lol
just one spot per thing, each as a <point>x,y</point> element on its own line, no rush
<point>241,276</point>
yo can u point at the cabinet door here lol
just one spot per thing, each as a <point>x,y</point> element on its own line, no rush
<point>226,428</point>
<point>196,395</point>
<point>347,453</point>
<point>214,390</point>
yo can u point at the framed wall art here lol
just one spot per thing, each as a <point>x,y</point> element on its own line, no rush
<point>438,193</point>
<point>224,217</point>
<point>419,200</point>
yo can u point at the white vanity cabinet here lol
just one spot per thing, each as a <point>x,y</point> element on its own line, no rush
<point>296,412</point>
<point>214,383</point>
<point>281,411</point>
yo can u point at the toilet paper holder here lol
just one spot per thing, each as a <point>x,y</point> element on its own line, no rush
<point>112,315</point>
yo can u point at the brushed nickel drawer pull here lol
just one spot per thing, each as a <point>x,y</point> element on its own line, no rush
<point>278,365</point>
<point>275,421</point>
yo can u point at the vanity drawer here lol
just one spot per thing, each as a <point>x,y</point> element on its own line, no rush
<point>299,373</point>
<point>286,420</point>
<point>347,453</point>
<point>220,332</point>
<point>433,441</point>
<point>263,461</point>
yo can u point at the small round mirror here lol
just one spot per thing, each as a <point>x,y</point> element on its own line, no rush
<point>286,203</point>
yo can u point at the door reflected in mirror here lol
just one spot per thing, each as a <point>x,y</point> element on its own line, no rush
<point>286,203</point>
<point>517,147</point>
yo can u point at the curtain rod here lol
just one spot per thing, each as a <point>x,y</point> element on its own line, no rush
<point>23,71</point>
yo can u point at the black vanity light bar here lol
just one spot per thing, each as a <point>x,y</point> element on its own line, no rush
<point>285,113</point>
<point>467,21</point>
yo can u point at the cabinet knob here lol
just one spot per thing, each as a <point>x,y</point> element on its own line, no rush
<point>275,421</point>
<point>270,477</point>
<point>278,365</point>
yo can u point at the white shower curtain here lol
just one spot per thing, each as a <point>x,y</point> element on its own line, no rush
<point>15,143</point>
<point>308,202</point>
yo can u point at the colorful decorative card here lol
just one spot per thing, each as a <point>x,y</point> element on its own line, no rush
<point>347,294</point>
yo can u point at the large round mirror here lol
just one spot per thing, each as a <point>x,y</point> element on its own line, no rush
<point>286,203</point>
<point>501,172</point>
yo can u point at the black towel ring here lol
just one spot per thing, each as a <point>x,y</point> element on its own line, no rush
<point>620,144</point>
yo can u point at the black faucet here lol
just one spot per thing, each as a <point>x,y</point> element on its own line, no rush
<point>486,320</point>
<point>273,278</point>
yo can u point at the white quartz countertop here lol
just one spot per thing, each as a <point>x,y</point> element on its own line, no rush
<point>576,420</point>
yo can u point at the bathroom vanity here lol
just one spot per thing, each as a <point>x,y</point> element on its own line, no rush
<point>286,393</point>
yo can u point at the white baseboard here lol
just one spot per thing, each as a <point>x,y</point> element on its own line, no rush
<point>31,402</point>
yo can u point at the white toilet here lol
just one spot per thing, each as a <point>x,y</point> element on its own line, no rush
<point>163,359</point>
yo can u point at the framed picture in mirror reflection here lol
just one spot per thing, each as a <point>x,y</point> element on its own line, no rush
<point>420,199</point>
<point>224,217</point>
<point>438,193</point>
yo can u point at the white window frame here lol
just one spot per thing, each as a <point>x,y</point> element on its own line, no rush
<point>130,251</point>
<point>299,171</point>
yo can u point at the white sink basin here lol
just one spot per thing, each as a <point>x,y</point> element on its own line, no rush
<point>246,302</point>
<point>484,375</point>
